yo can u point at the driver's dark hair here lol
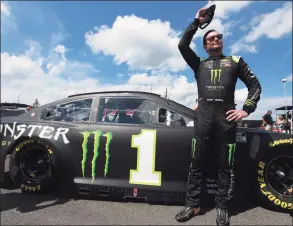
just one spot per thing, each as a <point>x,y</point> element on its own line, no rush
<point>205,35</point>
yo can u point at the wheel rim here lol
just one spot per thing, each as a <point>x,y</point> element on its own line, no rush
<point>280,175</point>
<point>35,163</point>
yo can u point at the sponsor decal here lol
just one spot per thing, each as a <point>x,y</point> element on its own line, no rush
<point>241,137</point>
<point>208,64</point>
<point>249,102</point>
<point>30,188</point>
<point>225,63</point>
<point>5,143</point>
<point>216,75</point>
<point>193,146</point>
<point>215,87</point>
<point>232,148</point>
<point>268,194</point>
<point>45,132</point>
<point>135,191</point>
<point>97,139</point>
<point>30,141</point>
<point>280,142</point>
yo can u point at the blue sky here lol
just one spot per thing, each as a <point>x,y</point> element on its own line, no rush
<point>75,47</point>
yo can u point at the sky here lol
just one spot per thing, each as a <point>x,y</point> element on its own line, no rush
<point>50,50</point>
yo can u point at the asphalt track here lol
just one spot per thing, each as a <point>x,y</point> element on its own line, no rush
<point>22,209</point>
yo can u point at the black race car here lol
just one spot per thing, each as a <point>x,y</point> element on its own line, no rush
<point>132,145</point>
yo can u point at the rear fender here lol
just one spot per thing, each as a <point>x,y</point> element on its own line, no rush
<point>64,166</point>
<point>5,179</point>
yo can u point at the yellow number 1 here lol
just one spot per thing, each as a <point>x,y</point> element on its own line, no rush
<point>145,173</point>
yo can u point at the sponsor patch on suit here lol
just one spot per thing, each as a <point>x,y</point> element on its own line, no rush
<point>225,63</point>
<point>208,64</point>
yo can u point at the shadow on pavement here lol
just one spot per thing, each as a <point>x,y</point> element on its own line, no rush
<point>28,202</point>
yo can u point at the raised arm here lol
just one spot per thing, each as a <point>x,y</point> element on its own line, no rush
<point>184,46</point>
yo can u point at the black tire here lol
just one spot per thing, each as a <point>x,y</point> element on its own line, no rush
<point>269,191</point>
<point>47,160</point>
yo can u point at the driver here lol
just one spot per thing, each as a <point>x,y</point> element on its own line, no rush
<point>216,78</point>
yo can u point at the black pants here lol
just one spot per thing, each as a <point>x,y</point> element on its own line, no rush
<point>212,129</point>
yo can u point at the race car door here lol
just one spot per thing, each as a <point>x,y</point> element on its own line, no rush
<point>132,148</point>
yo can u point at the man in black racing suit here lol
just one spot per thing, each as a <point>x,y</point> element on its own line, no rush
<point>216,79</point>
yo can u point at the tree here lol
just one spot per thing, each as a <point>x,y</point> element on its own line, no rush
<point>36,103</point>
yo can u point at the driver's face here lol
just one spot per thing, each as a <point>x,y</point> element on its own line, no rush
<point>214,40</point>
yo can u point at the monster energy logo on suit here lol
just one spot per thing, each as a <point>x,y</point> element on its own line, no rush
<point>232,148</point>
<point>215,75</point>
<point>193,146</point>
<point>97,138</point>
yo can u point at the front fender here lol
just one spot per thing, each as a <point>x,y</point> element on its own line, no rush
<point>5,179</point>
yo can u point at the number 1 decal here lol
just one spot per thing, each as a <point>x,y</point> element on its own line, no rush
<point>145,173</point>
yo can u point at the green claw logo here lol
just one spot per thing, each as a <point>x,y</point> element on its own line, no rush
<point>249,102</point>
<point>193,146</point>
<point>232,148</point>
<point>97,138</point>
<point>215,75</point>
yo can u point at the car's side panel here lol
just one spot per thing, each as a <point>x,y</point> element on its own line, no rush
<point>60,136</point>
<point>129,146</point>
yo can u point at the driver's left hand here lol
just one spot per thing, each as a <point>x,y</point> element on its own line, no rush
<point>235,115</point>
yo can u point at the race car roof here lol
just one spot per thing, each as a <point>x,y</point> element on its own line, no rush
<point>14,105</point>
<point>289,108</point>
<point>121,92</point>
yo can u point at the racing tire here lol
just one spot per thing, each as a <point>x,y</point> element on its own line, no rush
<point>33,166</point>
<point>274,180</point>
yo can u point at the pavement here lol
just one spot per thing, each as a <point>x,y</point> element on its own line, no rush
<point>24,209</point>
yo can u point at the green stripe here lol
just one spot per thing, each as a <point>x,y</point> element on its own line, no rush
<point>249,102</point>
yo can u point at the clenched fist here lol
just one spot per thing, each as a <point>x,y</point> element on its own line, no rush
<point>200,16</point>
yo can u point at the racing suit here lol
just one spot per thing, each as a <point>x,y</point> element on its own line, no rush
<point>216,80</point>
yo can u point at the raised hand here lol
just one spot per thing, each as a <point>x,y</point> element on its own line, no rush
<point>202,18</point>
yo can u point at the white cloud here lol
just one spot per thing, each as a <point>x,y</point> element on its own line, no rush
<point>27,75</point>
<point>223,8</point>
<point>47,78</point>
<point>140,43</point>
<point>265,104</point>
<point>270,103</point>
<point>241,46</point>
<point>218,25</point>
<point>8,22</point>
<point>5,9</point>
<point>273,25</point>
<point>289,78</point>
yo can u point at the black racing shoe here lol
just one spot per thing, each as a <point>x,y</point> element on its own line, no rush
<point>222,217</point>
<point>185,214</point>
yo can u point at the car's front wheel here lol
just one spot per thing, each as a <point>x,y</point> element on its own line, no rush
<point>33,166</point>
<point>275,178</point>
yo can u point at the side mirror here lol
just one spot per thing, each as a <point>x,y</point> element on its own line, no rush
<point>162,115</point>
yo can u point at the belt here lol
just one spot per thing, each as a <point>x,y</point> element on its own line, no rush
<point>214,100</point>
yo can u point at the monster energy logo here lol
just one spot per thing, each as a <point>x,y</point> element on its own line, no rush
<point>215,75</point>
<point>231,153</point>
<point>249,102</point>
<point>97,138</point>
<point>193,146</point>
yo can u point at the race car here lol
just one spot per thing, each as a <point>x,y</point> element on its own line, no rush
<point>132,145</point>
